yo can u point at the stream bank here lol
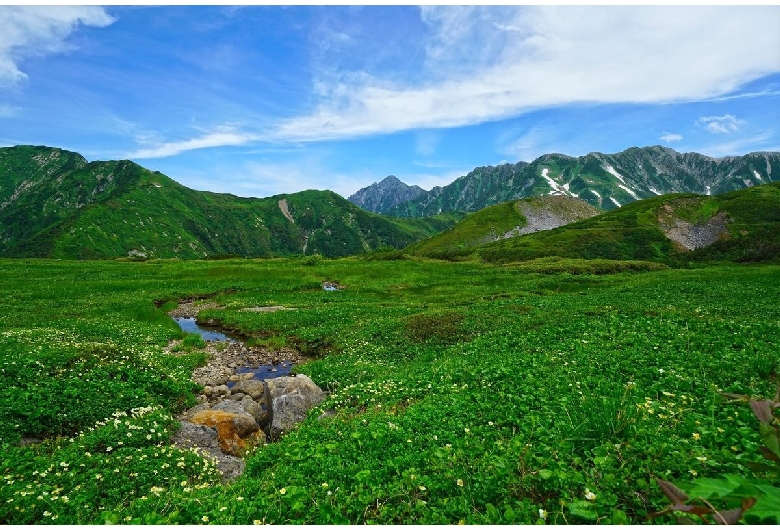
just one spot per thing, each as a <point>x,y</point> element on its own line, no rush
<point>248,398</point>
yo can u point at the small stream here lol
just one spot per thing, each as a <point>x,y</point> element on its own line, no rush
<point>264,371</point>
<point>191,326</point>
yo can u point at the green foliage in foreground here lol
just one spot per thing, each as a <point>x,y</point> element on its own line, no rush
<point>457,391</point>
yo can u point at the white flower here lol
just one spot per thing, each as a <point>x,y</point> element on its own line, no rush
<point>542,514</point>
<point>589,495</point>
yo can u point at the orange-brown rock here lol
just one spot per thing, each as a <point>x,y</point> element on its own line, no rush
<point>237,433</point>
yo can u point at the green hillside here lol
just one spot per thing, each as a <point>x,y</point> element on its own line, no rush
<point>503,221</point>
<point>737,226</point>
<point>55,204</point>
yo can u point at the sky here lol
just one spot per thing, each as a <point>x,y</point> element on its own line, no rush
<point>264,100</point>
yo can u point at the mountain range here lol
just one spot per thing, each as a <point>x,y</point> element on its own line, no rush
<point>53,203</point>
<point>644,203</point>
<point>605,181</point>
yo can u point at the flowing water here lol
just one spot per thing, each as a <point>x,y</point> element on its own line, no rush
<point>264,371</point>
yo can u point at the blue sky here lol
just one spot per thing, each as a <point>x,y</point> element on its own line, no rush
<point>263,100</point>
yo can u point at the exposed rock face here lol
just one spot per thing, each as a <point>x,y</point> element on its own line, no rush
<point>546,213</point>
<point>381,196</point>
<point>289,399</point>
<point>692,236</point>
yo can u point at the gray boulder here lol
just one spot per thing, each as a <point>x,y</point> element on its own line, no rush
<point>290,399</point>
<point>251,387</point>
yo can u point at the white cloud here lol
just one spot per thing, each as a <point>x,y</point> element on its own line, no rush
<point>671,137</point>
<point>722,124</point>
<point>552,56</point>
<point>28,31</point>
<point>224,137</point>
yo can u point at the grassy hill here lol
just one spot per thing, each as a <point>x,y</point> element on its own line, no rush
<point>53,203</point>
<point>503,221</point>
<point>741,226</point>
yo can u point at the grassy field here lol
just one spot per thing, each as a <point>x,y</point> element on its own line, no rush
<point>459,392</point>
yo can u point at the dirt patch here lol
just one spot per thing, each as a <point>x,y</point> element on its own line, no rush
<point>190,308</point>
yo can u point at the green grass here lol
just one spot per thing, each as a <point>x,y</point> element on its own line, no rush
<point>457,391</point>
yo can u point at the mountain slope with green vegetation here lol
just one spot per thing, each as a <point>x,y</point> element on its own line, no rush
<point>739,226</point>
<point>53,203</point>
<point>503,221</point>
<point>606,181</point>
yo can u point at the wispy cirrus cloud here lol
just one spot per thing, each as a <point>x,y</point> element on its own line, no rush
<point>545,56</point>
<point>29,31</point>
<point>225,136</point>
<point>725,124</point>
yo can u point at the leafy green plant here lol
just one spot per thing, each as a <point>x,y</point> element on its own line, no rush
<point>756,500</point>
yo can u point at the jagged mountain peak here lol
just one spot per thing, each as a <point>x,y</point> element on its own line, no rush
<point>606,181</point>
<point>383,195</point>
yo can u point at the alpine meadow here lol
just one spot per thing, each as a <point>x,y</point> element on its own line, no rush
<point>389,265</point>
<point>526,378</point>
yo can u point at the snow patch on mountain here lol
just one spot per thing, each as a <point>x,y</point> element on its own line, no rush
<point>629,191</point>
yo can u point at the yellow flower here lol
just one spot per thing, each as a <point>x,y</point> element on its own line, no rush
<point>692,472</point>
<point>589,495</point>
<point>283,491</point>
<point>696,436</point>
<point>542,514</point>
<point>324,484</point>
<point>460,482</point>
<point>205,518</point>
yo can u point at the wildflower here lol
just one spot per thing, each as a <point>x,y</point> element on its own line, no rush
<point>696,436</point>
<point>692,472</point>
<point>542,514</point>
<point>701,458</point>
<point>325,485</point>
<point>183,482</point>
<point>283,491</point>
<point>46,513</point>
<point>205,518</point>
<point>239,499</point>
<point>460,482</point>
<point>257,521</point>
<point>422,488</point>
<point>223,508</point>
<point>590,495</point>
